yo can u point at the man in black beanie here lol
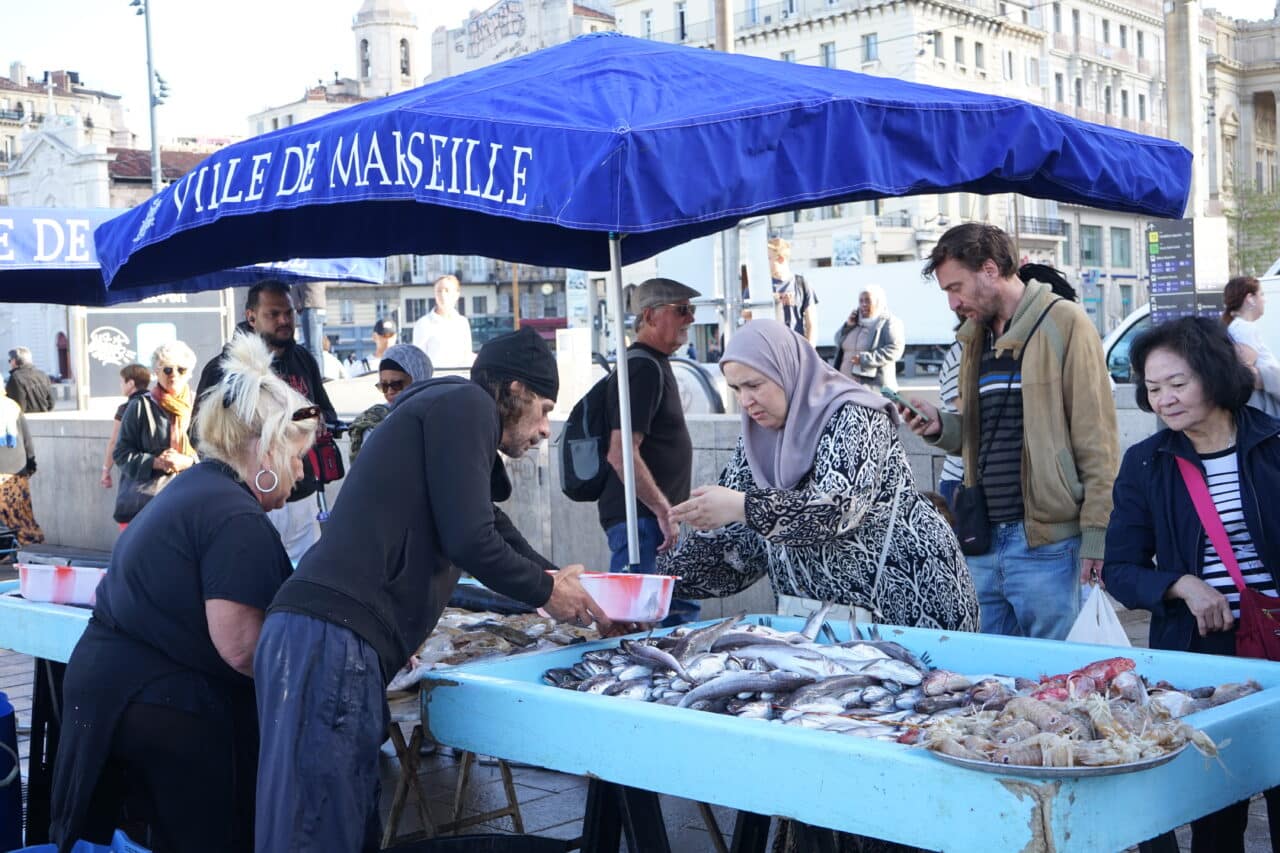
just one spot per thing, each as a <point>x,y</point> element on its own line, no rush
<point>416,512</point>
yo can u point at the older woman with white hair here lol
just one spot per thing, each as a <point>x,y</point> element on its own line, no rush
<point>154,443</point>
<point>159,713</point>
<point>870,342</point>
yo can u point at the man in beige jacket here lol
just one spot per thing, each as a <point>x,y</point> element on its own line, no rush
<point>1037,428</point>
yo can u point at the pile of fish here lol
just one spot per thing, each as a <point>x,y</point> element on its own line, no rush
<point>874,688</point>
<point>464,636</point>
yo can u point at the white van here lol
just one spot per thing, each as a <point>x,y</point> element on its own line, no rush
<point>1117,344</point>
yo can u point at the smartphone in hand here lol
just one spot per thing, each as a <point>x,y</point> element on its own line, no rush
<point>894,396</point>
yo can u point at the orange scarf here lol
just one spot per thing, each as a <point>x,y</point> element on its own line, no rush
<point>178,407</point>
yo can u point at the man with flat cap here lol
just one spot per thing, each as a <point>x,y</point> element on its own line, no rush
<point>416,512</point>
<point>663,449</point>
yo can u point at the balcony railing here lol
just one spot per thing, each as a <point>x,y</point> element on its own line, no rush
<point>897,219</point>
<point>1040,225</point>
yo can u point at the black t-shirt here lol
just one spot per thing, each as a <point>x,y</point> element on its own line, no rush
<point>204,537</point>
<point>666,449</point>
<point>120,409</point>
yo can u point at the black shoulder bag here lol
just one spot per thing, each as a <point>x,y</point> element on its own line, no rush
<point>973,526</point>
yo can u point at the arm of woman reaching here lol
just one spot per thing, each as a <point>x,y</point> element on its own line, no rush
<point>846,480</point>
<point>724,559</point>
<point>234,629</point>
<point>108,461</point>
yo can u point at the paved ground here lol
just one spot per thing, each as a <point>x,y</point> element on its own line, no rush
<point>551,803</point>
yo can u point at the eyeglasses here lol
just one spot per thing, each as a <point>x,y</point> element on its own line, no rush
<point>396,385</point>
<point>168,371</point>
<point>683,310</point>
<point>306,413</point>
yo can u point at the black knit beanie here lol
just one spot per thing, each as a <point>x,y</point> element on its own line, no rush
<point>523,356</point>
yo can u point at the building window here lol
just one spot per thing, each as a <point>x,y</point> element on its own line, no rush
<point>1075,23</point>
<point>479,305</point>
<point>753,12</point>
<point>979,55</point>
<point>646,24</point>
<point>1124,103</point>
<point>415,265</point>
<point>937,45</point>
<point>381,308</point>
<point>788,9</point>
<point>1124,37</point>
<point>828,54</point>
<point>1057,17</point>
<point>870,47</point>
<point>959,51</point>
<point>682,30</point>
<point>1106,100</point>
<point>1090,245</point>
<point>364,59</point>
<point>788,56</point>
<point>1121,248</point>
<point>414,310</point>
<point>1106,31</point>
<point>1079,93</point>
<point>1059,89</point>
<point>1033,71</point>
<point>275,124</point>
<point>1142,47</point>
<point>346,312</point>
<point>1142,107</point>
<point>1008,65</point>
<point>405,70</point>
<point>1066,244</point>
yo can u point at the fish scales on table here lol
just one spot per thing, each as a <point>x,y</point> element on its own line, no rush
<point>871,687</point>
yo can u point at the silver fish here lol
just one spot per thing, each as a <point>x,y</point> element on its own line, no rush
<point>794,660</point>
<point>706,665</point>
<point>598,683</point>
<point>813,624</point>
<point>941,681</point>
<point>733,683</point>
<point>907,699</point>
<point>638,688</point>
<point>871,695</point>
<point>644,653</point>
<point>701,640</point>
<point>755,710</point>
<point>634,671</point>
<point>837,685</point>
<point>894,670</point>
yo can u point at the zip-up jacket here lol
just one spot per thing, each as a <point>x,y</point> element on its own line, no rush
<point>1155,536</point>
<point>1070,443</point>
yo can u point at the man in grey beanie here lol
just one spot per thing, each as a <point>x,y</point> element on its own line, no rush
<point>414,513</point>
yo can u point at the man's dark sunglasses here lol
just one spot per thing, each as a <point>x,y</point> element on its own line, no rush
<point>683,310</point>
<point>306,413</point>
<point>168,371</point>
<point>396,385</point>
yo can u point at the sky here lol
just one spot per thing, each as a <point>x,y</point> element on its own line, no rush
<point>223,61</point>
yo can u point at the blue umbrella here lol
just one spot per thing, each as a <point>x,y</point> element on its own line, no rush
<point>47,255</point>
<point>553,157</point>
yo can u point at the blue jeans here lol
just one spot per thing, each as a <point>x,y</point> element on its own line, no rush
<point>1024,591</point>
<point>649,535</point>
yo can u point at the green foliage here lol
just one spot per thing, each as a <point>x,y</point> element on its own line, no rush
<point>1254,219</point>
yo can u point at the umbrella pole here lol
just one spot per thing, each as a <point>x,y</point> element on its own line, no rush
<point>624,399</point>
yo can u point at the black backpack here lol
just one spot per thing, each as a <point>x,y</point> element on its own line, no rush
<point>584,441</point>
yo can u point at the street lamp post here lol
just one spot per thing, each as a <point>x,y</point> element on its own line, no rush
<point>144,9</point>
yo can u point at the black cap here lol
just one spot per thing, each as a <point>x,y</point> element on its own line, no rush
<point>385,328</point>
<point>523,356</point>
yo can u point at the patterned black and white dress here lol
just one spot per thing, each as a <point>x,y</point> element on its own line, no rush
<point>856,511</point>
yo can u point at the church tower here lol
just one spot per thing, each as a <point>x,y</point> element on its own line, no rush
<point>386,34</point>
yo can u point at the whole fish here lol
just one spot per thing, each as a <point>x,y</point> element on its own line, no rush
<point>737,639</point>
<point>751,710</point>
<point>701,640</point>
<point>813,624</point>
<point>837,685</point>
<point>941,681</point>
<point>641,652</point>
<point>793,660</point>
<point>892,669</point>
<point>637,688</point>
<point>907,699</point>
<point>634,671</point>
<point>734,683</point>
<point>706,665</point>
<point>598,683</point>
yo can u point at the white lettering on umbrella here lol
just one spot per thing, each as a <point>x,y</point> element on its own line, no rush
<point>406,160</point>
<point>6,228</point>
<point>44,228</point>
<point>437,142</point>
<point>257,176</point>
<point>374,161</point>
<point>337,167</point>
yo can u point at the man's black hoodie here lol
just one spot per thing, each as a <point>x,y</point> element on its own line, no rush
<point>296,366</point>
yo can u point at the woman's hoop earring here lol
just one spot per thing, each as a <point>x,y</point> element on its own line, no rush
<point>275,481</point>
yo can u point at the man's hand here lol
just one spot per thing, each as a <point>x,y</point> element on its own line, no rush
<point>105,480</point>
<point>1091,572</point>
<point>919,425</point>
<point>1210,607</point>
<point>670,530</point>
<point>710,507</point>
<point>785,298</point>
<point>569,602</point>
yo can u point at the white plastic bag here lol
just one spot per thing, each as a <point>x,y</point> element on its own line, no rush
<point>1098,623</point>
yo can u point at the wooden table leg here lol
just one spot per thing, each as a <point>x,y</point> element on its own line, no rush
<point>408,781</point>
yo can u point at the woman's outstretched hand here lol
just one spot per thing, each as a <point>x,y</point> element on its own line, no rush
<point>710,507</point>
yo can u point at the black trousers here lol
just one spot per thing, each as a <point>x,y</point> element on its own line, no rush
<point>177,773</point>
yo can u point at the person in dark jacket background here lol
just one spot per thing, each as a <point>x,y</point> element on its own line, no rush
<point>412,516</point>
<point>269,313</point>
<point>29,387</point>
<point>154,441</point>
<point>1157,555</point>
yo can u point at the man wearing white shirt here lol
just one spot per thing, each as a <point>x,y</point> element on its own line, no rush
<point>444,334</point>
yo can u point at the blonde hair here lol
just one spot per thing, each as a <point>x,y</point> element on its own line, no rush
<point>175,353</point>
<point>780,247</point>
<point>251,406</point>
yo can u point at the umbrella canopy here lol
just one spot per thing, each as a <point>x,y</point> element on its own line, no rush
<point>47,255</point>
<point>535,159</point>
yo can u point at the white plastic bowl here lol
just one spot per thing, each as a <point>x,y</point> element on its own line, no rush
<point>59,584</point>
<point>631,598</point>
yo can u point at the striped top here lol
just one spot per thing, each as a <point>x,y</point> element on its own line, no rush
<point>949,392</point>
<point>1222,472</point>
<point>1000,452</point>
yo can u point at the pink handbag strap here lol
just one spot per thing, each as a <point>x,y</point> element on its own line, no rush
<point>1209,517</point>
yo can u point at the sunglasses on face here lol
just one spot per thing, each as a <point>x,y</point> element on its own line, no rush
<point>168,371</point>
<point>683,310</point>
<point>306,413</point>
<point>396,385</point>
